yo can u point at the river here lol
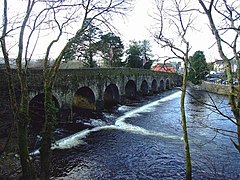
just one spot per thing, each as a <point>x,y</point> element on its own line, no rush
<point>143,140</point>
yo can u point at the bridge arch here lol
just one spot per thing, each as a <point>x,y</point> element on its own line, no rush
<point>144,88</point>
<point>131,89</point>
<point>111,96</point>
<point>84,98</point>
<point>154,87</point>
<point>36,110</point>
<point>161,85</point>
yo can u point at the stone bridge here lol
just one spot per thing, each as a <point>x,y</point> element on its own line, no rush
<point>98,88</point>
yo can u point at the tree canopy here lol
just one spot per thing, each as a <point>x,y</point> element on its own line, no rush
<point>198,67</point>
<point>82,47</point>
<point>138,55</point>
<point>111,49</point>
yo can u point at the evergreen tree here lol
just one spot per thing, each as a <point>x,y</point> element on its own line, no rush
<point>111,48</point>
<point>198,67</point>
<point>134,59</point>
<point>82,47</point>
<point>138,55</point>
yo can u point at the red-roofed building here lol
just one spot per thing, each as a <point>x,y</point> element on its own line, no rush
<point>164,67</point>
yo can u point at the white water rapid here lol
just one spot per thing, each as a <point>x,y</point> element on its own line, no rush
<point>120,124</point>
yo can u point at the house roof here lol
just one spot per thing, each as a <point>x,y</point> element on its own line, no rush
<point>164,67</point>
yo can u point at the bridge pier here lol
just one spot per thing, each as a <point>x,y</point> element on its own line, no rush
<point>97,89</point>
<point>99,105</point>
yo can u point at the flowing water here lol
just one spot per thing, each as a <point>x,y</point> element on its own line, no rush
<point>144,141</point>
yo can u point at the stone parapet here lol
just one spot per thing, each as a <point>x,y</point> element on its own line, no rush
<point>215,88</point>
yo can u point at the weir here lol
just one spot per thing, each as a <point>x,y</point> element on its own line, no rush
<point>143,141</point>
<point>120,124</point>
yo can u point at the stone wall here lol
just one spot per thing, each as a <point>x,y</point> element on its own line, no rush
<point>215,88</point>
<point>70,82</point>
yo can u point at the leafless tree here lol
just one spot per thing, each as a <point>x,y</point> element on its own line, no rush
<point>52,19</point>
<point>224,22</point>
<point>175,19</point>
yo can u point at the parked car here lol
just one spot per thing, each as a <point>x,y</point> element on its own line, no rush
<point>235,82</point>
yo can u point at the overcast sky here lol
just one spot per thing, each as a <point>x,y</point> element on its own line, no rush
<point>139,24</point>
<point>136,27</point>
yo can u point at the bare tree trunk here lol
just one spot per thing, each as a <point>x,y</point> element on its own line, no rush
<point>238,93</point>
<point>47,133</point>
<point>20,110</point>
<point>235,106</point>
<point>181,21</point>
<point>50,118</point>
<point>184,126</point>
<point>23,120</point>
<point>22,124</point>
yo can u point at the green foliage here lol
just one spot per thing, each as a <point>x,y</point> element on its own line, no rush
<point>138,55</point>
<point>89,41</point>
<point>111,48</point>
<point>148,64</point>
<point>198,67</point>
<point>82,46</point>
<point>134,59</point>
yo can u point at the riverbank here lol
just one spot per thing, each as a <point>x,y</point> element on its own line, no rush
<point>216,88</point>
<point>211,87</point>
